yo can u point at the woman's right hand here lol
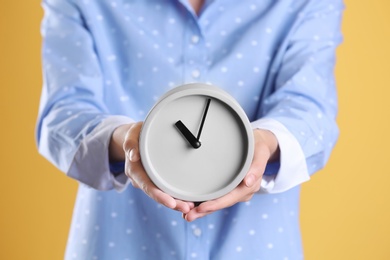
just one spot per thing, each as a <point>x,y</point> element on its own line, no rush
<point>124,145</point>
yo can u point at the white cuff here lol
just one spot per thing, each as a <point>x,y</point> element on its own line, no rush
<point>90,164</point>
<point>293,169</point>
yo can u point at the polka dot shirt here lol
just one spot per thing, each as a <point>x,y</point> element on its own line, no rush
<point>107,62</point>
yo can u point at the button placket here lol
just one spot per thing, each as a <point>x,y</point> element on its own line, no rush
<point>195,39</point>
<point>194,53</point>
<point>196,241</point>
<point>195,73</point>
<point>197,232</point>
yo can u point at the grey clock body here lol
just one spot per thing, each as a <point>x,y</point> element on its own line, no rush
<point>225,154</point>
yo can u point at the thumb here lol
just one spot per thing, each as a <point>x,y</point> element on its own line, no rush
<point>131,143</point>
<point>133,155</point>
<point>257,168</point>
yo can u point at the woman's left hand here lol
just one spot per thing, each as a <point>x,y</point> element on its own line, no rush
<point>266,149</point>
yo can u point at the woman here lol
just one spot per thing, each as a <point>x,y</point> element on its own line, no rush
<point>105,65</point>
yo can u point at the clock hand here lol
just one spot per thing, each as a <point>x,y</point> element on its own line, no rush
<point>187,134</point>
<point>203,118</point>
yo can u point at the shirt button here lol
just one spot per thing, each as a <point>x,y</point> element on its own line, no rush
<point>195,74</point>
<point>195,39</point>
<point>197,232</point>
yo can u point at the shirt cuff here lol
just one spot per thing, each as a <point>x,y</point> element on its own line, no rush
<point>90,164</point>
<point>293,169</point>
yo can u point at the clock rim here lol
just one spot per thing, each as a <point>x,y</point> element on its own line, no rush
<point>204,90</point>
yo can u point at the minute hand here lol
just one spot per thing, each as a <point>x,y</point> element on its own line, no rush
<point>203,119</point>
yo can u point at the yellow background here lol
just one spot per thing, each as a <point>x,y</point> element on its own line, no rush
<point>345,208</point>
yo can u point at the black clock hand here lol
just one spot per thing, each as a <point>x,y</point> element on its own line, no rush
<point>187,134</point>
<point>203,119</point>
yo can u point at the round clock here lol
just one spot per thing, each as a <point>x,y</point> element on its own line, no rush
<point>196,143</point>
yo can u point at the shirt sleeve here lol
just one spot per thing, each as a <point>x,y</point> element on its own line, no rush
<point>93,168</point>
<point>73,119</point>
<point>301,109</point>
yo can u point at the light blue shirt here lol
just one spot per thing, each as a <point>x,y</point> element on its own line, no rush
<point>107,62</point>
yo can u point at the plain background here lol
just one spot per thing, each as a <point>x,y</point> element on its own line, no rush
<point>345,208</point>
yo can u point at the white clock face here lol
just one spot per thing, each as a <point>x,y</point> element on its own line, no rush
<point>202,171</point>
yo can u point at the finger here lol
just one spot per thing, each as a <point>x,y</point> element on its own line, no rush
<point>184,206</point>
<point>161,197</point>
<point>211,206</point>
<point>168,201</point>
<point>241,194</point>
<point>140,179</point>
<point>194,214</point>
<point>135,185</point>
<point>138,176</point>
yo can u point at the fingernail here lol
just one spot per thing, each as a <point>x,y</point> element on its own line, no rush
<point>250,180</point>
<point>133,155</point>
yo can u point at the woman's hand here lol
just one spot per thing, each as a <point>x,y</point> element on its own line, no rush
<point>266,149</point>
<point>124,146</point>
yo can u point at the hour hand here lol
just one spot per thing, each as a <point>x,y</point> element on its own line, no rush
<point>192,140</point>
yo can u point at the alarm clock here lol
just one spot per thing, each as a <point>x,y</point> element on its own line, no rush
<point>196,143</point>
